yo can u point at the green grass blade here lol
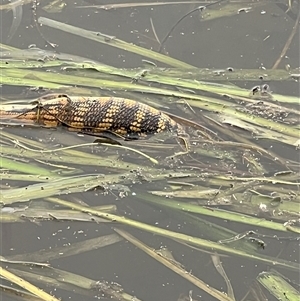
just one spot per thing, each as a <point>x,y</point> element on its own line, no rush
<point>230,9</point>
<point>27,168</point>
<point>179,236</point>
<point>278,286</point>
<point>218,213</point>
<point>71,249</point>
<point>114,42</point>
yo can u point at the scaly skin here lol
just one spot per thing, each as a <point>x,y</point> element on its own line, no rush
<point>121,116</point>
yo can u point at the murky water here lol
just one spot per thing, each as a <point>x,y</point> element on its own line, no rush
<point>251,40</point>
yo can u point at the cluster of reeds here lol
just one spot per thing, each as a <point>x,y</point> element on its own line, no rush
<point>230,171</point>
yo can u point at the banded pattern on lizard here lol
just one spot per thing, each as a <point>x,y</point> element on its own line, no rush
<point>124,117</point>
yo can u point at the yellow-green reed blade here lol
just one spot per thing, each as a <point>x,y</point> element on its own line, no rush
<point>113,41</point>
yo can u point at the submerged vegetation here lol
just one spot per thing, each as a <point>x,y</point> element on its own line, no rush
<point>241,168</point>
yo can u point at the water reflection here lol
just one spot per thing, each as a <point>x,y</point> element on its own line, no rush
<point>251,38</point>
